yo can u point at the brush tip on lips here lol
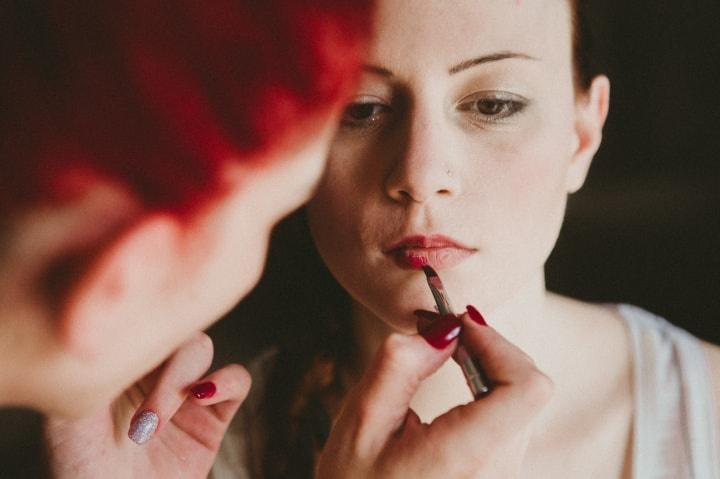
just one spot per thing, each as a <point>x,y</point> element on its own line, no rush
<point>429,271</point>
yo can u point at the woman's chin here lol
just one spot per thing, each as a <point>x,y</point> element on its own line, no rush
<point>401,317</point>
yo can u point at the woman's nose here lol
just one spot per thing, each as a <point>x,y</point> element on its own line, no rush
<point>425,168</point>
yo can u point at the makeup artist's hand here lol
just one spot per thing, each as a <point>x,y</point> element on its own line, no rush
<point>191,415</point>
<point>378,435</point>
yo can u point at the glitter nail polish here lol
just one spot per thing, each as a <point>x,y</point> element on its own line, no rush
<point>143,426</point>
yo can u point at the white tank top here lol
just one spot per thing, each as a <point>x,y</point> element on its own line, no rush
<point>674,423</point>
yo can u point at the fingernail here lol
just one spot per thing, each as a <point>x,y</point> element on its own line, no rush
<point>204,390</point>
<point>143,426</point>
<point>443,331</point>
<point>475,315</point>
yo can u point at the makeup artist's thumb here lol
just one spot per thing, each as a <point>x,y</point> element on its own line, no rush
<point>380,402</point>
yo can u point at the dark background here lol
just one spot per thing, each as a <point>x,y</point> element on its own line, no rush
<point>645,229</point>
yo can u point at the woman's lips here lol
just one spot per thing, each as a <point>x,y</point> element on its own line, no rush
<point>438,251</point>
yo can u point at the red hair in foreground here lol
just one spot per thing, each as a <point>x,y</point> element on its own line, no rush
<point>156,95</point>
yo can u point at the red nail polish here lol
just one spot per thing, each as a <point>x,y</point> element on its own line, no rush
<point>442,331</point>
<point>476,316</point>
<point>204,390</point>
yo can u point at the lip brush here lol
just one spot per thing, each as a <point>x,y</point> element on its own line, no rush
<point>474,375</point>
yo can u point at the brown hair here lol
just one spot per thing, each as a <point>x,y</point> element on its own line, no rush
<point>585,63</point>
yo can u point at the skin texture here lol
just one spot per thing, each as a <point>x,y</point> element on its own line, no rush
<point>418,154</point>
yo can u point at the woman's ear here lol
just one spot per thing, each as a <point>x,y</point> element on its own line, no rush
<point>112,294</point>
<point>591,109</point>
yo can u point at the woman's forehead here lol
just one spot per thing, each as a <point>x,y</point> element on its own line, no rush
<point>412,34</point>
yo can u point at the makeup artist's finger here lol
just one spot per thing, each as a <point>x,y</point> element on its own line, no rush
<point>520,391</point>
<point>225,388</point>
<point>207,418</point>
<point>380,402</point>
<point>482,347</point>
<point>182,369</point>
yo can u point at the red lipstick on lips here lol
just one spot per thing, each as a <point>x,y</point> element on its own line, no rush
<point>438,251</point>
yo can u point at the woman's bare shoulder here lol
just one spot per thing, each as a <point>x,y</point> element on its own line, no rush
<point>592,317</point>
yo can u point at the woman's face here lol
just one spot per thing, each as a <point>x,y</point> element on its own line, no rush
<point>458,149</point>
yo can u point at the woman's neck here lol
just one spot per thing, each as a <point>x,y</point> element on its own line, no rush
<point>533,319</point>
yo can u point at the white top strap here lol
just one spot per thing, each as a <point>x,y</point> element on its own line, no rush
<point>674,427</point>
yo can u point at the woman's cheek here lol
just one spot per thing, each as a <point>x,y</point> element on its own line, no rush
<point>330,215</point>
<point>348,182</point>
<point>541,197</point>
<point>524,176</point>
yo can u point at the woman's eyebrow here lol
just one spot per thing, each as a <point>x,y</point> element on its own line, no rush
<point>377,70</point>
<point>493,57</point>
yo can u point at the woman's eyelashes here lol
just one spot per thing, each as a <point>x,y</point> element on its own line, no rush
<point>492,107</point>
<point>365,113</point>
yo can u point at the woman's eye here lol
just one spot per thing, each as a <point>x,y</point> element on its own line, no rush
<point>363,114</point>
<point>493,107</point>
